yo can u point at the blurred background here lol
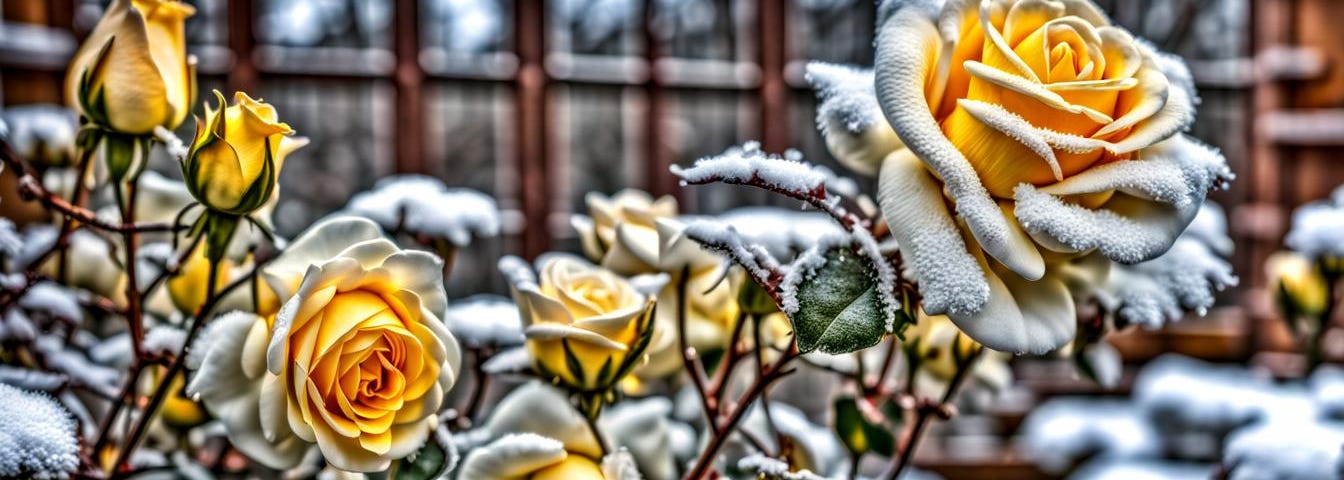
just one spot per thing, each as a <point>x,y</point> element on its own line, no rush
<point>538,101</point>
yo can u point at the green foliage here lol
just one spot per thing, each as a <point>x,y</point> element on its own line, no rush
<point>839,307</point>
<point>859,433</point>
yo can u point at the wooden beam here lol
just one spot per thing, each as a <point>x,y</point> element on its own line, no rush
<point>772,47</point>
<point>531,125</point>
<point>409,79</point>
<point>243,74</point>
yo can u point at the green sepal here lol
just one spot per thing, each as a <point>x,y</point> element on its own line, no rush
<point>219,229</point>
<point>573,364</point>
<point>92,98</point>
<point>123,154</point>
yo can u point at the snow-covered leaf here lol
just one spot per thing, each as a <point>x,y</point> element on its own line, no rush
<point>839,308</point>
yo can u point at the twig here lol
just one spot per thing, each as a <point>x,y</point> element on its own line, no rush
<point>31,188</point>
<point>723,429</point>
<point>924,414</point>
<point>688,355</point>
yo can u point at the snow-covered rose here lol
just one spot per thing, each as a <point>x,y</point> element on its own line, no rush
<point>356,362</point>
<point>585,325</point>
<point>630,233</point>
<point>1028,133</point>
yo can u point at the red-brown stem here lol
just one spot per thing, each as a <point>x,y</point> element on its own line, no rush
<point>924,414</point>
<point>725,428</point>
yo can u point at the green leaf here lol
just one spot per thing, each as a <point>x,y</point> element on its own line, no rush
<point>754,300</point>
<point>839,309</point>
<point>859,434</point>
<point>430,462</point>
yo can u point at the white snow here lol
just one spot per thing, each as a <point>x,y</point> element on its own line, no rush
<point>164,340</point>
<point>1065,430</point>
<point>1184,394</point>
<point>430,208</point>
<point>28,379</point>
<point>1286,450</point>
<point>783,232</point>
<point>37,436</point>
<point>1318,227</point>
<point>76,366</point>
<point>724,239</point>
<point>1107,468</point>
<point>749,164</point>
<point>774,468</point>
<point>171,143</point>
<point>52,300</point>
<point>11,242</point>
<point>485,320</point>
<point>1327,390</point>
<point>847,98</point>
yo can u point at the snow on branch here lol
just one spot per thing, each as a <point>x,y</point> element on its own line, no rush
<point>721,237</point>
<point>38,436</point>
<point>421,204</point>
<point>787,175</point>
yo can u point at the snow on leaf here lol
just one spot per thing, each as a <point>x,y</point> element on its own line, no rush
<point>831,296</point>
<point>1318,227</point>
<point>37,436</point>
<point>422,204</point>
<point>783,232</point>
<point>52,300</point>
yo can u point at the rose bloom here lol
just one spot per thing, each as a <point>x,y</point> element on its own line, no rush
<point>1021,146</point>
<point>357,361</point>
<point>143,79</point>
<point>585,326</point>
<point>631,233</point>
<point>236,157</point>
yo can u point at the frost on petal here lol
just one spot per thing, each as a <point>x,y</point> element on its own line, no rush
<point>1066,430</point>
<point>1161,290</point>
<point>849,117</point>
<point>37,436</point>
<point>422,204</point>
<point>1318,227</point>
<point>620,465</point>
<point>541,409</point>
<point>950,279</point>
<point>485,321</point>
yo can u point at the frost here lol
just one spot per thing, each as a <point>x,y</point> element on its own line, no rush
<point>1184,394</point>
<point>782,232</point>
<point>847,97</point>
<point>76,366</point>
<point>17,326</point>
<point>805,267</point>
<point>422,204</point>
<point>1066,430</point>
<point>722,238</point>
<point>37,239</point>
<point>41,132</point>
<point>1318,227</point>
<point>52,300</point>
<point>37,436</point>
<point>171,143</point>
<point>11,242</point>
<point>1184,279</point>
<point>748,164</point>
<point>485,321</point>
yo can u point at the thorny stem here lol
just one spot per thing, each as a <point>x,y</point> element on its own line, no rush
<point>722,429</point>
<point>178,362</point>
<point>925,413</point>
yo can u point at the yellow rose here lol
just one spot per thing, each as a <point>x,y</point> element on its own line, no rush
<point>534,434</point>
<point>1031,133</point>
<point>133,73</point>
<point>586,327</point>
<point>630,233</point>
<point>237,155</point>
<point>1296,283</point>
<point>357,362</point>
<point>939,347</point>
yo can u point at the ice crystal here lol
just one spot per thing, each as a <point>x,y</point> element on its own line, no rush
<point>749,164</point>
<point>37,436</point>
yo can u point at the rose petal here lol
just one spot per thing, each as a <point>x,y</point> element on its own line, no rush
<point>513,457</point>
<point>849,118</point>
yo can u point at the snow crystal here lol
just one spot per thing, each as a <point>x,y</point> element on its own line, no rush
<point>782,232</point>
<point>722,238</point>
<point>1065,430</point>
<point>1159,291</point>
<point>749,164</point>
<point>428,208</point>
<point>1286,450</point>
<point>37,436</point>
<point>847,98</point>
<point>485,320</point>
<point>1318,227</point>
<point>52,300</point>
